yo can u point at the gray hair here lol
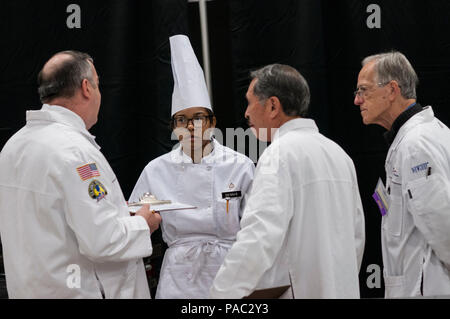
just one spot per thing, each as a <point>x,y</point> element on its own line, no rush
<point>64,80</point>
<point>287,84</point>
<point>395,66</point>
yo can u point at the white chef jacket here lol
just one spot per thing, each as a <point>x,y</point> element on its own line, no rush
<point>303,216</point>
<point>197,239</point>
<point>58,241</point>
<point>416,228</point>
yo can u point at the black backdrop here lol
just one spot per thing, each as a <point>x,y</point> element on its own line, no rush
<point>324,39</point>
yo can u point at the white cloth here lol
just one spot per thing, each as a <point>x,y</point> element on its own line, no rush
<point>189,88</point>
<point>197,239</point>
<point>416,231</point>
<point>52,230</point>
<point>303,217</point>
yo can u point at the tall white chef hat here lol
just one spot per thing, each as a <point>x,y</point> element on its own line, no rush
<point>189,88</point>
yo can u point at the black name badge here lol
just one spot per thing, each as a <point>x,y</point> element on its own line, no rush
<point>232,194</point>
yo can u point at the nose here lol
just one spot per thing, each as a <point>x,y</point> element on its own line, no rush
<point>190,125</point>
<point>247,115</point>
<point>358,100</point>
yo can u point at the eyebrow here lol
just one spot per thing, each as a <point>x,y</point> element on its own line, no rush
<point>198,113</point>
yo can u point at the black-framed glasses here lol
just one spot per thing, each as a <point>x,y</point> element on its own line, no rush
<point>197,120</point>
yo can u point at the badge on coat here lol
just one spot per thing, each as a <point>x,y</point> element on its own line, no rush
<point>420,167</point>
<point>88,171</point>
<point>381,198</point>
<point>228,195</point>
<point>97,190</point>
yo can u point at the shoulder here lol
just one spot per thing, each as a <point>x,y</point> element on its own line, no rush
<point>306,143</point>
<point>232,156</point>
<point>425,137</point>
<point>162,160</point>
<point>60,142</point>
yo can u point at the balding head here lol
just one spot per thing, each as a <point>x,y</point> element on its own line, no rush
<point>62,75</point>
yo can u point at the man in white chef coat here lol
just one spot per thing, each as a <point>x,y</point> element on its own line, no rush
<point>304,216</point>
<point>415,204</point>
<point>200,172</point>
<point>64,223</point>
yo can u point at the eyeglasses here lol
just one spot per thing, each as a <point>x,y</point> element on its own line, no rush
<point>362,91</point>
<point>197,120</point>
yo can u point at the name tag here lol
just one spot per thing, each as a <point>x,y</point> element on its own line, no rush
<point>231,194</point>
<point>381,198</point>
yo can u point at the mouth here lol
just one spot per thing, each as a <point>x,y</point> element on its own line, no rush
<point>190,138</point>
<point>193,139</point>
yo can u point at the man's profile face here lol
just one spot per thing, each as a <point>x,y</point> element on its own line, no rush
<point>96,96</point>
<point>371,98</point>
<point>256,114</point>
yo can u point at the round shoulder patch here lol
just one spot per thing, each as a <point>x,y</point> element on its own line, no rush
<point>97,190</point>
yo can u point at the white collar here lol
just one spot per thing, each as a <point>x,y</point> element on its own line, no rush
<point>61,115</point>
<point>295,124</point>
<point>178,156</point>
<point>426,115</point>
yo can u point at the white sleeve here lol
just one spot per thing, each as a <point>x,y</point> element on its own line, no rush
<point>104,229</point>
<point>263,228</point>
<point>360,232</point>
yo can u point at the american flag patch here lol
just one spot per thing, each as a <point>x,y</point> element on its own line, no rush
<point>88,171</point>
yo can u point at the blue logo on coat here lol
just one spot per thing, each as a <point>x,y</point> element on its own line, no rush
<point>420,167</point>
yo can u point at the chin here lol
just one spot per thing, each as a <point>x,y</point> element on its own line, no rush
<point>255,132</point>
<point>366,121</point>
<point>263,138</point>
<point>262,135</point>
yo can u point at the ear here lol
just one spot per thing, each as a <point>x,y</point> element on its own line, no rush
<point>274,107</point>
<point>395,90</point>
<point>86,88</point>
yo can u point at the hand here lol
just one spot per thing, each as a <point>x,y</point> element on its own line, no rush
<point>152,218</point>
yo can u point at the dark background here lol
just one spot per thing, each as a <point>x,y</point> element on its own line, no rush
<point>324,39</point>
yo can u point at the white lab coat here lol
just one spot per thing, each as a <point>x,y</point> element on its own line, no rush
<point>303,217</point>
<point>416,228</point>
<point>58,242</point>
<point>197,239</point>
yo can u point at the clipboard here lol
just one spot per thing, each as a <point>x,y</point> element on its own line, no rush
<point>269,293</point>
<point>162,207</point>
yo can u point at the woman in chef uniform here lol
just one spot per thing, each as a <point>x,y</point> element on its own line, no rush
<point>199,172</point>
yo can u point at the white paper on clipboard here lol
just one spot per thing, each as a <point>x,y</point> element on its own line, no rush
<point>163,207</point>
